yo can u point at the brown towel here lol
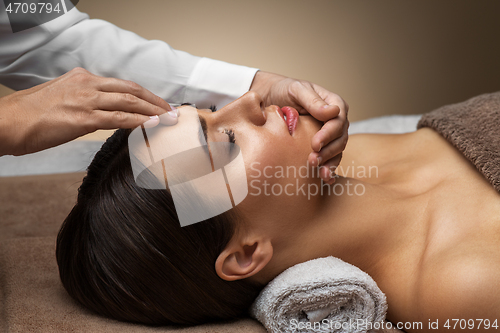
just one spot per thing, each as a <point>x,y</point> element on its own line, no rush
<point>473,127</point>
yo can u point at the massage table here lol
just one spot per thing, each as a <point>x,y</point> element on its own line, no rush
<point>37,192</point>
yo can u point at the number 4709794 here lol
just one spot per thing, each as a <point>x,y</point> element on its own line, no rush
<point>25,8</point>
<point>470,324</point>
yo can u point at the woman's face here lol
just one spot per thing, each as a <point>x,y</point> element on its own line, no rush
<point>274,151</point>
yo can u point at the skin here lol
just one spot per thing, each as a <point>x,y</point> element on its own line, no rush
<point>72,105</point>
<point>78,103</point>
<point>426,228</point>
<point>310,99</point>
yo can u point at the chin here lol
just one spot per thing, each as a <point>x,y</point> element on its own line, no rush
<point>307,126</point>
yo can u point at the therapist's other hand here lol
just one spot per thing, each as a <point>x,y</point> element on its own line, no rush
<point>307,97</point>
<point>72,105</point>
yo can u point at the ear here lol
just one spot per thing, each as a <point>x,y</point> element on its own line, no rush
<point>242,259</point>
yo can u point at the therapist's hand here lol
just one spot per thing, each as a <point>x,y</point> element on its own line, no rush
<point>75,104</point>
<point>307,97</point>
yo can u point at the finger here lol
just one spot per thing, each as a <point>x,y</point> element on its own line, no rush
<point>332,99</point>
<point>331,150</point>
<point>102,119</point>
<point>152,122</point>
<point>321,152</point>
<point>112,85</point>
<point>314,104</point>
<point>111,101</point>
<point>330,131</point>
<point>169,118</point>
<point>327,171</point>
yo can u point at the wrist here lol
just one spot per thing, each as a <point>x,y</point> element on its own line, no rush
<point>8,144</point>
<point>262,83</point>
<point>10,131</point>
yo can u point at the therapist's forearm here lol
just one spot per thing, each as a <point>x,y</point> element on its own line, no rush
<point>73,105</point>
<point>35,56</point>
<point>10,126</point>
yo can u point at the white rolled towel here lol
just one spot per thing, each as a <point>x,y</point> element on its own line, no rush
<point>321,295</point>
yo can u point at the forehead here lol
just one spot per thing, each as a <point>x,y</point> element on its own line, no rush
<point>166,141</point>
<point>178,158</point>
<point>149,146</point>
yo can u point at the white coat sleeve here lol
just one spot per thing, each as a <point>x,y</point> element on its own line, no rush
<point>42,53</point>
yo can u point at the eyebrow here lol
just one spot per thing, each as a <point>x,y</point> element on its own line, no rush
<point>203,133</point>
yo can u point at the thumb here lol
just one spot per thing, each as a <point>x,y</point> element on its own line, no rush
<point>314,104</point>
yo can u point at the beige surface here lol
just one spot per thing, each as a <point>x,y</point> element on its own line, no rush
<point>100,135</point>
<point>5,91</point>
<point>383,57</point>
<point>32,298</point>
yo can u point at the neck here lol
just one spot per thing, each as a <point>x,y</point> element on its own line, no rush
<point>359,222</point>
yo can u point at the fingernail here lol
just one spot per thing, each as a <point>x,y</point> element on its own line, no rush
<point>152,122</point>
<point>319,160</point>
<point>326,106</point>
<point>320,146</point>
<point>174,109</point>
<point>169,118</point>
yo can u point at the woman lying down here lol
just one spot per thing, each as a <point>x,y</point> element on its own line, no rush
<point>408,209</point>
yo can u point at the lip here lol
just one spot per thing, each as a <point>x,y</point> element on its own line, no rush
<point>292,116</point>
<point>281,114</point>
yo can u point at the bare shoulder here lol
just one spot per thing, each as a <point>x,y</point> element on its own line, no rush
<point>461,287</point>
<point>374,148</point>
<point>385,145</point>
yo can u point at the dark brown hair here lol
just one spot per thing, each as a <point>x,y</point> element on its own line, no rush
<point>122,253</point>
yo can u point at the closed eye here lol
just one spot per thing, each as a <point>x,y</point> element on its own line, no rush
<point>230,134</point>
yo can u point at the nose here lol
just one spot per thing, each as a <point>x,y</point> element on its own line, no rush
<point>249,107</point>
